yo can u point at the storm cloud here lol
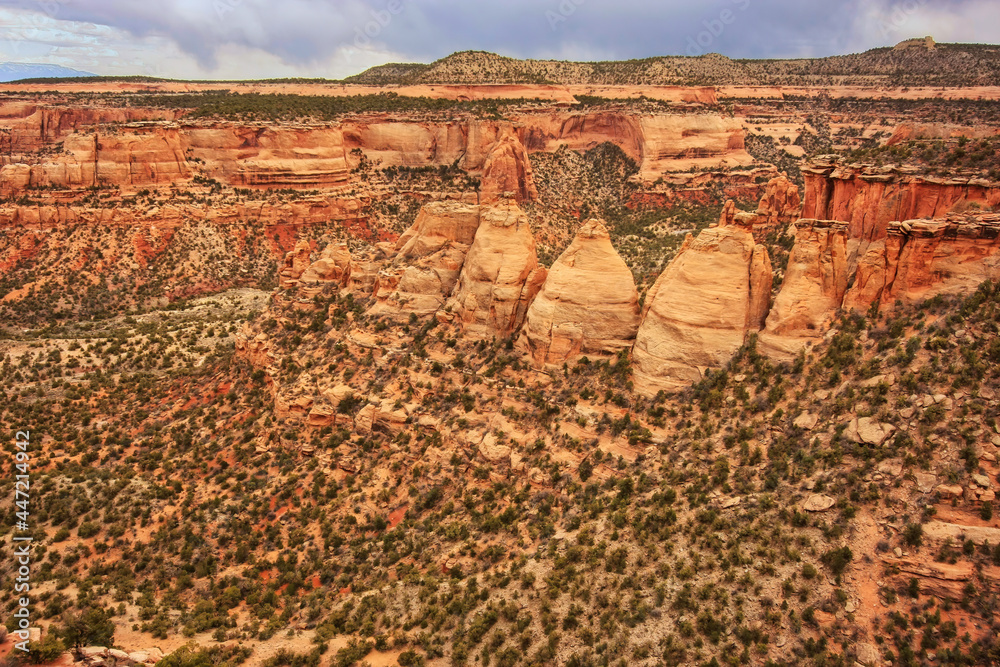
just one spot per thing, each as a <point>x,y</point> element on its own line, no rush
<point>250,38</point>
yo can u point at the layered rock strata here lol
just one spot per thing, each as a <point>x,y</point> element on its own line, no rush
<point>830,271</point>
<point>869,198</point>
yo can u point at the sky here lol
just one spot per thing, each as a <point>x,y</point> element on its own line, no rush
<point>250,39</point>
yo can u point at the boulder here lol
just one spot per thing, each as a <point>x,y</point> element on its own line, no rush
<point>868,655</point>
<point>818,503</point>
<point>948,491</point>
<point>588,304</point>
<point>806,421</point>
<point>869,431</point>
<point>494,452</point>
<point>500,276</point>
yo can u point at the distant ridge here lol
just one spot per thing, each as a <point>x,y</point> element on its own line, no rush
<point>950,65</point>
<point>17,71</point>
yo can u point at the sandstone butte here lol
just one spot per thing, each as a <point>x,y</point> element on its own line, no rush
<point>501,274</point>
<point>699,311</point>
<point>428,258</point>
<point>588,304</point>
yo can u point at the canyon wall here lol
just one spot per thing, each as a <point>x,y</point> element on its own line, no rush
<point>75,147</point>
<point>869,198</point>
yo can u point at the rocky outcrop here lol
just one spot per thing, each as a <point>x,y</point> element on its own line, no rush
<point>813,289</point>
<point>701,308</point>
<point>508,170</point>
<point>100,656</point>
<point>588,305</point>
<point>869,198</point>
<point>780,204</point>
<point>428,259</point>
<point>923,258</point>
<point>333,266</point>
<point>294,265</point>
<point>500,276</point>
<point>829,271</point>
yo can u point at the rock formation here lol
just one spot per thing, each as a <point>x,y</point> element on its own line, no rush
<point>294,265</point>
<point>333,266</point>
<point>869,198</point>
<point>813,289</point>
<point>923,258</point>
<point>701,308</point>
<point>828,271</point>
<point>500,276</point>
<point>429,257</point>
<point>508,170</point>
<point>588,305</point>
<point>683,142</point>
<point>780,204</point>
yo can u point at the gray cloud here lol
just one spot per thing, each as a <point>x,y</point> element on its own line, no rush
<point>307,34</point>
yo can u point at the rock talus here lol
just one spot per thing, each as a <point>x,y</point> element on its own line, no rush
<point>588,305</point>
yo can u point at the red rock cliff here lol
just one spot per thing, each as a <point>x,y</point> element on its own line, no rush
<point>869,198</point>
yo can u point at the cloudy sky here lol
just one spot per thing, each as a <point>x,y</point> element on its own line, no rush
<point>215,39</point>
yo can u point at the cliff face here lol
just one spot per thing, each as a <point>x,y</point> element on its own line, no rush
<point>348,211</point>
<point>813,289</point>
<point>923,258</point>
<point>500,276</point>
<point>701,308</point>
<point>70,147</point>
<point>829,270</point>
<point>429,257</point>
<point>588,305</point>
<point>869,198</point>
<point>672,142</point>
